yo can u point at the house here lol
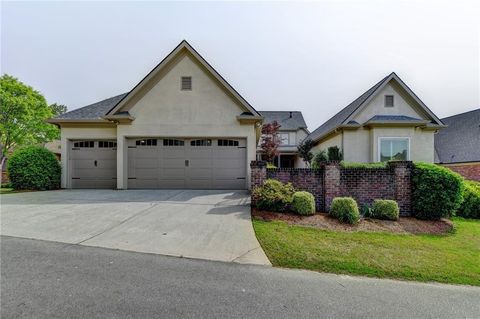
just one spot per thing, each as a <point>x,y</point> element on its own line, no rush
<point>182,126</point>
<point>458,146</point>
<point>387,122</point>
<point>293,130</point>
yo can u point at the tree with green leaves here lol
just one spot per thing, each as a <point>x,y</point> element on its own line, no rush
<point>305,151</point>
<point>23,114</point>
<point>58,109</point>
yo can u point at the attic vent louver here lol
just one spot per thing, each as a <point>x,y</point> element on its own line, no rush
<point>186,83</point>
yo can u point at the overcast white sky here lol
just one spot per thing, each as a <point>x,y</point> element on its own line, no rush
<point>315,57</point>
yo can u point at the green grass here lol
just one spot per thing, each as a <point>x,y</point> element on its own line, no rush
<point>5,190</point>
<point>451,258</point>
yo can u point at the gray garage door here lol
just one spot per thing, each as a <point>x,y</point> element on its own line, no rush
<point>93,164</point>
<point>187,163</point>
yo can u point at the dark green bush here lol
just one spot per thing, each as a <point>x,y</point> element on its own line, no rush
<point>437,191</point>
<point>365,211</point>
<point>334,153</point>
<point>470,207</point>
<point>273,195</point>
<point>303,203</point>
<point>35,168</point>
<point>345,209</point>
<point>385,209</point>
<point>319,158</point>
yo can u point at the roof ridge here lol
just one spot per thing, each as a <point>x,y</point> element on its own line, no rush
<point>458,114</point>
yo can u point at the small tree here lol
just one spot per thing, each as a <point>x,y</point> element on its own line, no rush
<point>334,154</point>
<point>23,112</point>
<point>304,151</point>
<point>270,140</point>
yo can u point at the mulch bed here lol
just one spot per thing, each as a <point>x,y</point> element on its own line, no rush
<point>405,225</point>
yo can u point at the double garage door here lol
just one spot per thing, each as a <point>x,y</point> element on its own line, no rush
<point>187,163</point>
<point>162,163</point>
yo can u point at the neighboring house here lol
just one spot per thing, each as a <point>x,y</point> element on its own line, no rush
<point>181,126</point>
<point>458,146</point>
<point>293,130</point>
<point>387,122</point>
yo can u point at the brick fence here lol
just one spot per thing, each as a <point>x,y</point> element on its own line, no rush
<point>332,180</point>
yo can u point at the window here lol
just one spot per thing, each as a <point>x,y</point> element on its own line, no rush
<point>83,144</point>
<point>227,143</point>
<point>201,143</point>
<point>146,142</point>
<point>284,139</point>
<point>388,100</point>
<point>186,83</point>
<point>397,149</point>
<point>107,144</point>
<point>172,142</point>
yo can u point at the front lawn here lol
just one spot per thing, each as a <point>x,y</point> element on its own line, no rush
<point>450,258</point>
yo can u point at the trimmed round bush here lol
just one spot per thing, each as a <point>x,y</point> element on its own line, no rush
<point>303,203</point>
<point>385,209</point>
<point>34,168</point>
<point>345,209</point>
<point>437,191</point>
<point>470,207</point>
<point>273,195</point>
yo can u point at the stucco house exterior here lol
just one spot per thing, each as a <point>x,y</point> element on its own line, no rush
<point>387,122</point>
<point>181,126</point>
<point>293,130</point>
<point>458,145</point>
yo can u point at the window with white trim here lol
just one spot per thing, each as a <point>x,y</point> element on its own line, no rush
<point>284,138</point>
<point>84,144</point>
<point>394,149</point>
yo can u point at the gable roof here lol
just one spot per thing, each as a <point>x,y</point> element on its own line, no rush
<point>289,120</point>
<point>460,141</point>
<point>184,46</point>
<point>111,108</point>
<point>344,117</point>
<point>95,111</point>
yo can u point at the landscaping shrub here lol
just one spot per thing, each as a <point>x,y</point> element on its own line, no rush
<point>35,168</point>
<point>345,209</point>
<point>319,158</point>
<point>344,164</point>
<point>385,209</point>
<point>334,153</point>
<point>470,207</point>
<point>437,191</point>
<point>273,195</point>
<point>270,165</point>
<point>303,203</point>
<point>365,211</point>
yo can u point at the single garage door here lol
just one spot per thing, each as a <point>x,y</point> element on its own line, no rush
<point>93,164</point>
<point>202,163</point>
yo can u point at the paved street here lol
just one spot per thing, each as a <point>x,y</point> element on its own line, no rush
<point>56,280</point>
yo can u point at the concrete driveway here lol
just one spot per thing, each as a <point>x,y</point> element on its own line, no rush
<point>213,225</point>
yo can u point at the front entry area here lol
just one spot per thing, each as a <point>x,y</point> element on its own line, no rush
<point>196,163</point>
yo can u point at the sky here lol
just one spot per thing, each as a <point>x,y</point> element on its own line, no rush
<point>315,57</point>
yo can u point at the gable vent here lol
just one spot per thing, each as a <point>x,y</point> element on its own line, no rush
<point>186,83</point>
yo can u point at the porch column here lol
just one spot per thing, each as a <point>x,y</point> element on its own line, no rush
<point>331,182</point>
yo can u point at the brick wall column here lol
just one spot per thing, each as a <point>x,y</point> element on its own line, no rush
<point>258,173</point>
<point>332,186</point>
<point>403,185</point>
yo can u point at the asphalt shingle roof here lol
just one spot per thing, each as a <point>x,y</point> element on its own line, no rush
<point>295,122</point>
<point>379,118</point>
<point>341,116</point>
<point>460,141</point>
<point>93,111</point>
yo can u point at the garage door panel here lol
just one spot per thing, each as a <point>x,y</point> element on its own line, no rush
<point>93,167</point>
<point>196,167</point>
